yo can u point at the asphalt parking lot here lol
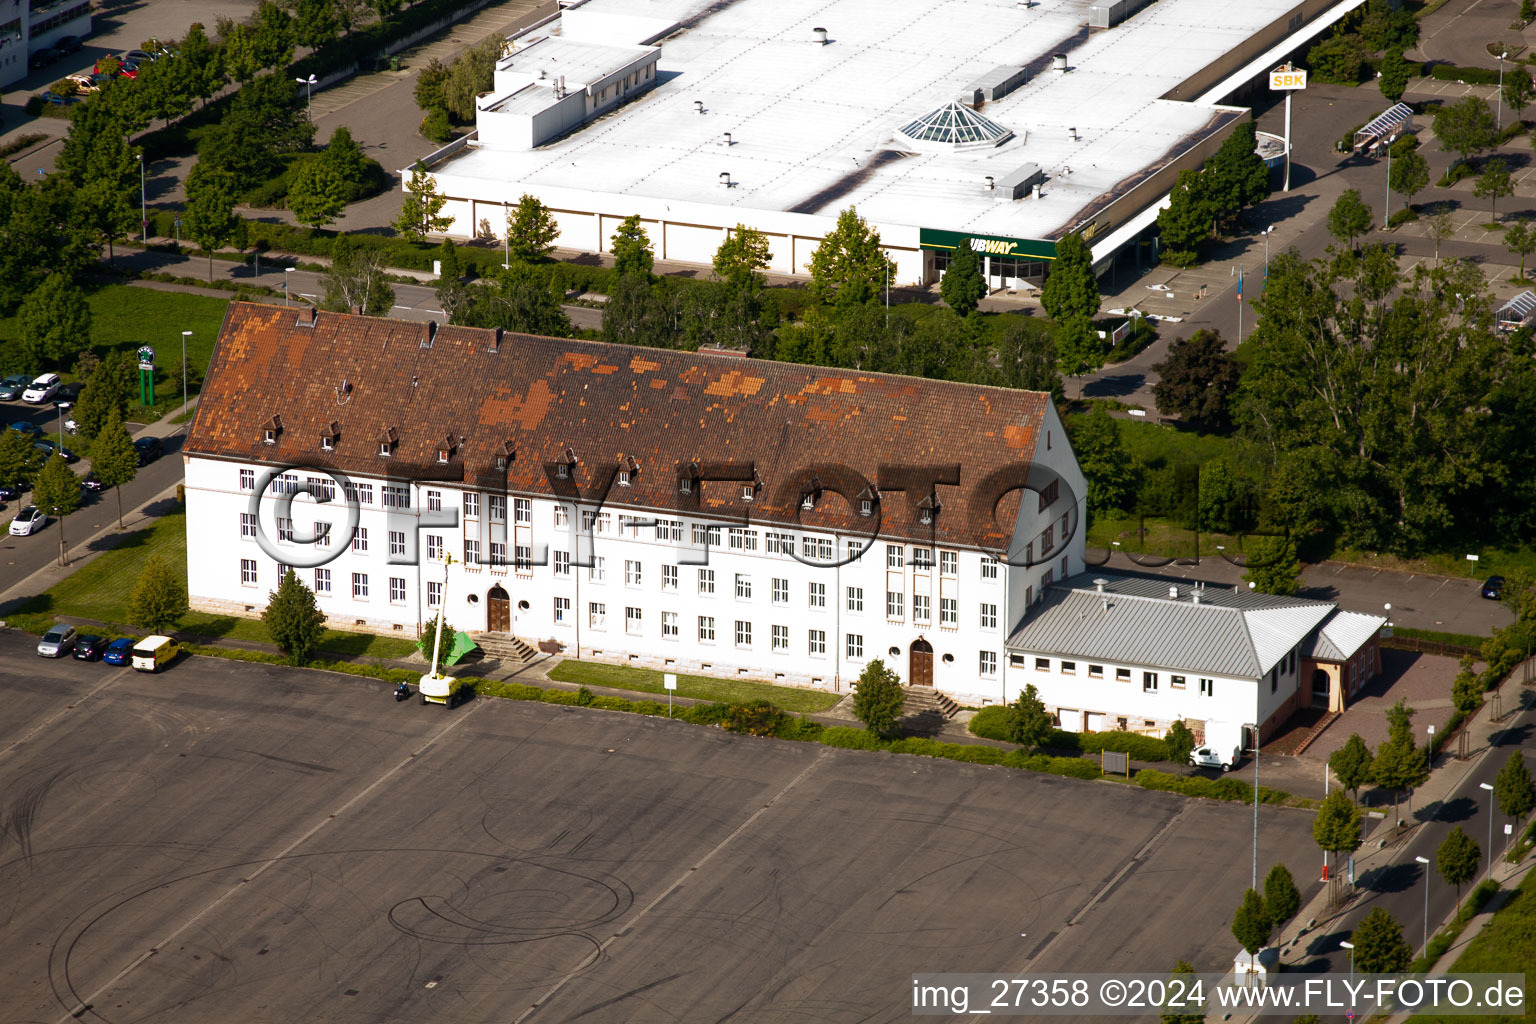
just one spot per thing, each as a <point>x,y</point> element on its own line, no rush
<point>241,842</point>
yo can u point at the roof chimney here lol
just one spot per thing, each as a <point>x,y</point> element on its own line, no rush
<point>1195,596</point>
<point>307,316</point>
<point>1100,583</point>
<point>495,341</point>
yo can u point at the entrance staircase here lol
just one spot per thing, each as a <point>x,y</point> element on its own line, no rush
<point>506,648</point>
<point>925,700</point>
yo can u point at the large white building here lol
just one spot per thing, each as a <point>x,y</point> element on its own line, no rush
<point>669,509</point>
<point>993,123</point>
<point>27,26</point>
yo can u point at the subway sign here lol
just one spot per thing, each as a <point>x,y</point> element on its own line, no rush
<point>988,245</point>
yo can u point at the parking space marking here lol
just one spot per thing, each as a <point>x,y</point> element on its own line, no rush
<point>46,722</point>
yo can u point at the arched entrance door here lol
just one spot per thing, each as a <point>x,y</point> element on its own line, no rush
<point>1320,683</point>
<point>498,611</point>
<point>920,663</point>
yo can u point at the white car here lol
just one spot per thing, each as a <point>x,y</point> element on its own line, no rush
<point>28,521</point>
<point>1209,757</point>
<point>41,389</point>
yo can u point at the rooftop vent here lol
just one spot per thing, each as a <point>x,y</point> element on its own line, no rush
<point>1059,61</point>
<point>698,106</point>
<point>1173,591</point>
<point>956,126</point>
<point>727,140</point>
<point>820,35</point>
<point>1100,583</point>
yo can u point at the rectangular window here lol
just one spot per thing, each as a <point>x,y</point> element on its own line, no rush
<point>562,611</point>
<point>498,553</point>
<point>247,526</point>
<point>396,590</point>
<point>922,559</point>
<point>321,488</point>
<point>949,562</point>
<point>894,556</point>
<point>989,663</point>
<point>1149,682</point>
<point>743,587</point>
<point>1122,675</point>
<point>1048,495</point>
<point>434,594</point>
<point>632,573</point>
<point>283,571</point>
<point>894,601</point>
<point>498,503</point>
<point>597,572</point>
<point>779,591</point>
<point>853,550</point>
<point>1176,682</point>
<point>248,572</point>
<point>743,633</point>
<point>396,497</point>
<point>434,501</point>
<point>988,616</point>
<point>322,581</point>
<point>818,595</point>
<point>1042,664</point>
<point>247,479</point>
<point>364,494</point>
<point>471,552</point>
<point>522,510</point>
<point>669,577</point>
<point>323,535</point>
<point>1095,671</point>
<point>856,599</point>
<point>778,543</point>
<point>434,547</point>
<point>920,608</point>
<point>669,625</point>
<point>1207,687</point>
<point>706,581</point>
<point>471,505</point>
<point>1047,540</point>
<point>855,645</point>
<point>669,530</point>
<point>562,516</point>
<point>397,542</point>
<point>819,548</point>
<point>1069,668</point>
<point>360,586</point>
<point>948,611</point>
<point>706,629</point>
<point>816,643</point>
<point>597,615</point>
<point>360,540</point>
<point>522,557</point>
<point>780,641</point>
<point>743,540</point>
<point>284,531</point>
<point>562,563</point>
<point>604,522</point>
<point>988,567</point>
<point>1066,563</point>
<point>633,620</point>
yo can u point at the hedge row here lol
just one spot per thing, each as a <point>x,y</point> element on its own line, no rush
<point>1224,788</point>
<point>992,723</point>
<point>1471,76</point>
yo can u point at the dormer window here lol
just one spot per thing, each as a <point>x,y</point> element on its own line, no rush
<point>501,462</point>
<point>746,492</point>
<point>562,470</point>
<point>327,443</point>
<point>927,509</point>
<point>269,437</point>
<point>685,485</point>
<point>866,508</point>
<point>809,501</point>
<point>442,455</point>
<point>925,516</point>
<point>504,454</point>
<point>270,430</point>
<point>387,441</point>
<point>386,449</point>
<point>623,478</point>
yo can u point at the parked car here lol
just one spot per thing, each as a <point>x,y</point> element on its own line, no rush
<point>28,521</point>
<point>1209,757</point>
<point>1493,588</point>
<point>67,395</point>
<point>92,482</point>
<point>86,82</point>
<point>10,492</point>
<point>89,648</point>
<point>26,427</point>
<point>148,448</point>
<point>68,44</point>
<point>48,448</point>
<point>154,651</point>
<point>119,651</point>
<point>57,642</point>
<point>136,56</point>
<point>70,426</point>
<point>57,100</point>
<point>43,387</point>
<point>11,387</point>
<point>42,58</point>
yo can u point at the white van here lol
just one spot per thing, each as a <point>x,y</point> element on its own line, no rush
<point>153,651</point>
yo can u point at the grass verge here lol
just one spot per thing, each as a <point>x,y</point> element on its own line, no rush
<point>644,680</point>
<point>1506,945</point>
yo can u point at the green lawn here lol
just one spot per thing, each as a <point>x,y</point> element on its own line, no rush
<point>100,590</point>
<point>1506,945</point>
<point>645,680</point>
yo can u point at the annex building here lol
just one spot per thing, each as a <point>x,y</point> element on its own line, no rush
<point>27,26</point>
<point>999,124</point>
<point>686,510</point>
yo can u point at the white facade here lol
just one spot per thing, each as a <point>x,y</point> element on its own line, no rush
<point>547,86</point>
<point>662,596</point>
<point>27,27</point>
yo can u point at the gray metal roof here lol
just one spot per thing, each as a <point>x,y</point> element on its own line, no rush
<point>1135,621</point>
<point>1343,635</point>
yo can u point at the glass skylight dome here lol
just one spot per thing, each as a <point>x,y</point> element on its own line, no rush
<point>956,126</point>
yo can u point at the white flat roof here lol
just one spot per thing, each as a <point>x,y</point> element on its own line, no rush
<point>581,62</point>
<point>814,127</point>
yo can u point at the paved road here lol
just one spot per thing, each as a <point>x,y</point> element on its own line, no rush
<point>240,842</point>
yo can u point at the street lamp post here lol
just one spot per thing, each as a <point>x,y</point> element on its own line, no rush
<point>184,336</point>
<point>1255,808</point>
<point>309,96</point>
<point>143,204</point>
<point>1386,217</point>
<point>1480,785</point>
<point>1266,254</point>
<point>1425,861</point>
<point>1501,91</point>
<point>286,272</point>
<point>1351,947</point>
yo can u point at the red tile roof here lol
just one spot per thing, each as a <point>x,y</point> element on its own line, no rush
<point>366,380</point>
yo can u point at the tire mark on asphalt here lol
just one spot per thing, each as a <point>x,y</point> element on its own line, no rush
<point>262,867</point>
<point>629,926</point>
<point>45,723</point>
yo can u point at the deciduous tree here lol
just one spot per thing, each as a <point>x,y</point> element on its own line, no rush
<point>1251,924</point>
<point>210,215</point>
<point>1273,566</point>
<point>1466,127</point>
<point>1410,175</point>
<point>742,257</point>
<point>357,279</point>
<point>1395,73</point>
<point>1239,178</point>
<point>1102,457</point>
<point>849,267</point>
<point>113,458</point>
<point>1400,765</point>
<point>1379,944</point>
<point>1350,218</point>
<point>159,596</point>
<point>531,231</point>
<point>421,211</point>
<point>57,492</point>
<point>1520,239</point>
<point>1518,90</point>
<point>1351,764</point>
<point>878,700</point>
<point>1336,829</point>
<point>1513,788</point>
<point>1457,858</point>
<point>1188,220</point>
<point>294,620</point>
<point>54,321</point>
<point>1029,724</point>
<point>20,459</point>
<point>631,248</point>
<point>1180,742</point>
<point>1181,971</point>
<point>318,195</point>
<point>1197,379</point>
<point>1070,289</point>
<point>1280,896</point>
<point>1079,349</point>
<point>1494,184</point>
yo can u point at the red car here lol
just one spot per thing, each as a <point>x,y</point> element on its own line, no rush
<point>126,68</point>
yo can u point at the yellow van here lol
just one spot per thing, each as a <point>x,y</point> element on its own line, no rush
<point>153,651</point>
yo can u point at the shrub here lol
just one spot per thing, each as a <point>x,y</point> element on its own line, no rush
<point>992,723</point>
<point>1403,216</point>
<point>1141,748</point>
<point>755,718</point>
<point>1471,76</point>
<point>1457,171</point>
<point>34,106</point>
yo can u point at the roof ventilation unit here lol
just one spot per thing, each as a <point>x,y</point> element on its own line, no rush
<point>1059,61</point>
<point>1100,583</point>
<point>1173,591</point>
<point>820,35</point>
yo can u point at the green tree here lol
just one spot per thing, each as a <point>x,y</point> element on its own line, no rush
<point>1336,829</point>
<point>318,195</point>
<point>1251,924</point>
<point>742,257</point>
<point>878,699</point>
<point>1197,379</point>
<point>1466,689</point>
<point>211,219</point>
<point>1395,74</point>
<point>1188,220</point>
<point>345,157</point>
<point>962,286</point>
<point>468,76</point>
<point>531,231</point>
<point>54,321</point>
<point>428,91</point>
<point>19,458</point>
<point>1182,970</point>
<point>1399,764</point>
<point>1379,944</point>
<point>314,23</point>
<point>159,596</point>
<point>524,301</point>
<point>1520,239</point>
<point>1350,218</point>
<point>356,279</point>
<point>1518,90</point>
<point>1514,790</point>
<point>1180,742</point>
<point>1494,184</point>
<point>1280,896</point>
<point>435,126</point>
<point>1457,858</point>
<point>1466,127</point>
<point>1337,59</point>
<point>631,248</point>
<point>1238,176</point>
<point>57,492</point>
<point>1351,764</point>
<point>201,58</point>
<point>849,267</point>
<point>1079,348</point>
<point>1029,724</point>
<point>1103,458</point>
<point>421,211</point>
<point>1023,356</point>
<point>113,458</point>
<point>428,638</point>
<point>1410,175</point>
<point>1273,566</point>
<point>1070,289</point>
<point>294,621</point>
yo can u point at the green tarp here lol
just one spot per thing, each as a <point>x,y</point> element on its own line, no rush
<point>462,645</point>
